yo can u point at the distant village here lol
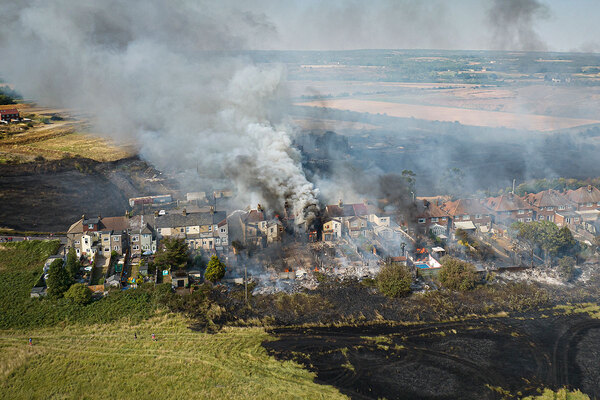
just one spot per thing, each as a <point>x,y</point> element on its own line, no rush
<point>347,240</point>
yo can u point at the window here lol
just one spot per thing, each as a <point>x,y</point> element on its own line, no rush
<point>77,242</point>
<point>541,217</point>
<point>136,247</point>
<point>116,248</point>
<point>421,220</point>
<point>528,219</point>
<point>521,211</point>
<point>86,241</point>
<point>159,230</point>
<point>222,230</point>
<point>210,228</point>
<point>90,226</point>
<point>145,247</point>
<point>443,219</point>
<point>107,249</point>
<point>217,241</point>
<point>466,217</point>
<point>520,219</point>
<point>478,216</point>
<point>146,236</point>
<point>187,229</point>
<point>135,238</point>
<point>181,230</point>
<point>598,204</point>
<point>435,219</point>
<point>589,204</point>
<point>549,208</point>
<point>105,238</point>
<point>117,238</point>
<point>562,207</point>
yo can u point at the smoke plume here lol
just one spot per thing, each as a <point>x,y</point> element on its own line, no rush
<point>513,23</point>
<point>167,76</point>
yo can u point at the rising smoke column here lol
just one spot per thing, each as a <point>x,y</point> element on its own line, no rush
<point>166,75</point>
<point>513,22</point>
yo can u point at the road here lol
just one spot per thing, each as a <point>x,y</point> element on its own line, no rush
<point>8,238</point>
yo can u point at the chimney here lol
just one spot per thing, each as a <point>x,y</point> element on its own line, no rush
<point>99,216</point>
<point>589,188</point>
<point>155,213</point>
<point>212,210</point>
<point>184,212</point>
<point>83,216</point>
<point>340,203</point>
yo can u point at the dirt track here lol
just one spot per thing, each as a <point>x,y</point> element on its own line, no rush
<point>474,359</point>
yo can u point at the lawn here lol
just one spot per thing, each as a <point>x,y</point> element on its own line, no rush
<point>105,361</point>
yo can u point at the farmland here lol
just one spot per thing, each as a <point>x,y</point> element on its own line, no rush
<point>494,119</point>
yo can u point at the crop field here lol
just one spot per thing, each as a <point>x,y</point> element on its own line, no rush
<point>464,116</point>
<point>106,361</point>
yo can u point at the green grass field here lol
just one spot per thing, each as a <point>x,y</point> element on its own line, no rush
<point>105,361</point>
<point>89,352</point>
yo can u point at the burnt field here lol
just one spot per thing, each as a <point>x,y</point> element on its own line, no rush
<point>50,195</point>
<point>480,358</point>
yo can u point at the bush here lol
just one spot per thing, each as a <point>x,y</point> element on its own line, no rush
<point>59,280</point>
<point>215,271</point>
<point>394,280</point>
<point>79,294</point>
<point>456,274</point>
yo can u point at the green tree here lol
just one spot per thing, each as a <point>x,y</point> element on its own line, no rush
<point>79,294</point>
<point>215,271</point>
<point>173,253</point>
<point>72,265</point>
<point>456,274</point>
<point>59,280</point>
<point>394,280</point>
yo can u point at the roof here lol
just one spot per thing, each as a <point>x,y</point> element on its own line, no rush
<point>192,219</point>
<point>77,227</point>
<point>397,259</point>
<point>347,210</point>
<point>465,225</point>
<point>114,223</point>
<point>507,202</point>
<point>91,221</point>
<point>427,209</point>
<point>465,207</point>
<point>588,194</point>
<point>9,111</point>
<point>548,198</point>
<point>254,216</point>
<point>589,215</point>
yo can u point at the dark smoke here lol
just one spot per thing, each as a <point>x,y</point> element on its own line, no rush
<point>513,24</point>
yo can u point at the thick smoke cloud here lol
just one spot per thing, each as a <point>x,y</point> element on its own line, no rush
<point>513,24</point>
<point>163,76</point>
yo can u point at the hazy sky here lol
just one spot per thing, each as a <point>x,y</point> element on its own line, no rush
<point>555,25</point>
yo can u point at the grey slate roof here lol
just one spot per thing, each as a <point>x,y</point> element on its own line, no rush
<point>192,219</point>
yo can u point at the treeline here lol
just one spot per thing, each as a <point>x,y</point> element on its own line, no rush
<point>8,96</point>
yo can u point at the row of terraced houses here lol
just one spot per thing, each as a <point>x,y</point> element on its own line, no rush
<point>570,208</point>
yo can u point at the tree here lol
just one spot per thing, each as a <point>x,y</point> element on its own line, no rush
<point>72,265</point>
<point>456,274</point>
<point>79,294</point>
<point>59,280</point>
<point>215,271</point>
<point>566,268</point>
<point>173,253</point>
<point>394,280</point>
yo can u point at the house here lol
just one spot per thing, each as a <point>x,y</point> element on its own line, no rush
<point>358,226</point>
<point>590,220</point>
<point>586,198</point>
<point>467,210</point>
<point>141,235</point>
<point>430,215</point>
<point>201,230</point>
<point>343,212</point>
<point>509,208</point>
<point>332,230</point>
<point>274,231</point>
<point>89,236</point>
<point>253,224</point>
<point>548,202</point>
<point>566,218</point>
<point>9,114</point>
<point>38,291</point>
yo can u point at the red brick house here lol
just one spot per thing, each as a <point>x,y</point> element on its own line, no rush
<point>430,214</point>
<point>547,203</point>
<point>464,210</point>
<point>510,208</point>
<point>9,114</point>
<point>586,198</point>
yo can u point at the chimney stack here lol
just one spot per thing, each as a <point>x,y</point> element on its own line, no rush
<point>184,212</point>
<point>589,188</point>
<point>212,210</point>
<point>340,203</point>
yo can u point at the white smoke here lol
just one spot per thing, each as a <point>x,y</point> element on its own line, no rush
<point>167,76</point>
